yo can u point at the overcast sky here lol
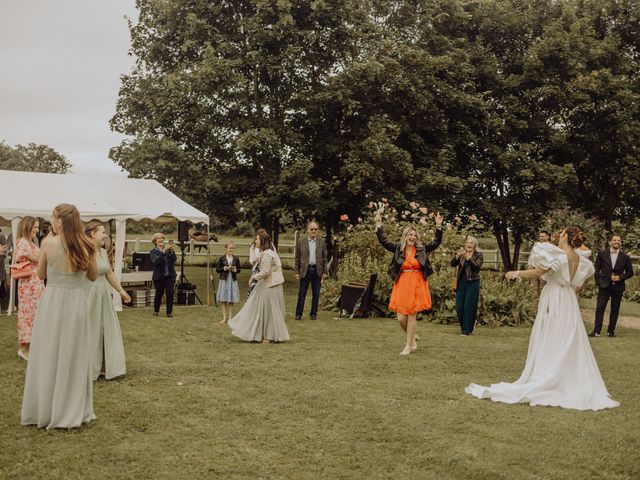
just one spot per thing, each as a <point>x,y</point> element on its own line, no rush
<point>60,67</point>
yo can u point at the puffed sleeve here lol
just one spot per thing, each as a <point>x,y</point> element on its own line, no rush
<point>546,256</point>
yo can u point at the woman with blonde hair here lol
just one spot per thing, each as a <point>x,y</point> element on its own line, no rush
<point>106,337</point>
<point>29,288</point>
<point>228,293</point>
<point>409,270</point>
<point>163,258</point>
<point>468,261</point>
<point>58,391</point>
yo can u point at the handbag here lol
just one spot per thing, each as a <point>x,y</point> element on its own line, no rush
<point>454,285</point>
<point>21,270</point>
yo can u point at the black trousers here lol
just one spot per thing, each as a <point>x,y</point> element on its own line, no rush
<point>604,294</point>
<point>310,278</point>
<point>163,286</point>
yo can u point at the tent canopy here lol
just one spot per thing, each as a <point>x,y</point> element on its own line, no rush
<point>96,197</point>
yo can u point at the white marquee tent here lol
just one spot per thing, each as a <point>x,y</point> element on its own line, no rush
<point>97,197</point>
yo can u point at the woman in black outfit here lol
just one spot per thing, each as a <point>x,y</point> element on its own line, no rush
<point>163,258</point>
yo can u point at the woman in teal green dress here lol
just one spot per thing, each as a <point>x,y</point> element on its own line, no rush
<point>58,389</point>
<point>106,337</point>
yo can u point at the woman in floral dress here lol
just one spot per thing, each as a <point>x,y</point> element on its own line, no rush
<point>29,288</point>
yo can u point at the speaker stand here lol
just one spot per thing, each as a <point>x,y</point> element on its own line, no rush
<point>183,278</point>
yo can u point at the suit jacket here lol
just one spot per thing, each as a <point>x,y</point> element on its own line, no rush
<point>399,257</point>
<point>163,264</point>
<point>302,256</point>
<point>604,270</point>
<point>224,274</point>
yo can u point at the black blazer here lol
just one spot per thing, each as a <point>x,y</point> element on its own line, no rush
<point>224,274</point>
<point>162,264</point>
<point>604,270</point>
<point>399,257</point>
<point>471,267</point>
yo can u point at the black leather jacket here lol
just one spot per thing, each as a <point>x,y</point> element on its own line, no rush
<point>471,267</point>
<point>224,274</point>
<point>398,259</point>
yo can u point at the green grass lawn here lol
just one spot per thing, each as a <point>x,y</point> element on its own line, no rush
<point>337,402</point>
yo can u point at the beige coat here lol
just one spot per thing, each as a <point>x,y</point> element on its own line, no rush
<point>270,269</point>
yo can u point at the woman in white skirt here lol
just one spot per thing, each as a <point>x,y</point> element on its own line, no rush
<point>261,319</point>
<point>228,292</point>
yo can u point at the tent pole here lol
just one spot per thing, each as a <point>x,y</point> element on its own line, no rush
<point>121,228</point>
<point>208,274</point>
<point>12,284</point>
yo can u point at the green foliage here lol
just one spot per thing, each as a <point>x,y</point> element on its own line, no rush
<point>501,302</point>
<point>557,220</point>
<point>32,158</point>
<point>504,110</point>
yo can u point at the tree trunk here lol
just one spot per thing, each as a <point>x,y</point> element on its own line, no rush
<point>502,237</point>
<point>517,243</point>
<point>275,228</point>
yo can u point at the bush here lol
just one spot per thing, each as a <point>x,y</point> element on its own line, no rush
<point>360,253</point>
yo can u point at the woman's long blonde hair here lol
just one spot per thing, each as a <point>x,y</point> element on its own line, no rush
<point>405,232</point>
<point>74,241</point>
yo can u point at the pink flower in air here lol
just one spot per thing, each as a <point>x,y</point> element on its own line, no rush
<point>473,217</point>
<point>424,210</point>
<point>372,205</point>
<point>344,217</point>
<point>385,201</point>
<point>423,220</point>
<point>413,205</point>
<point>359,219</point>
<point>403,215</point>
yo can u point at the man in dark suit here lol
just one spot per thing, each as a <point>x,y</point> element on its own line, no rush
<point>310,267</point>
<point>613,267</point>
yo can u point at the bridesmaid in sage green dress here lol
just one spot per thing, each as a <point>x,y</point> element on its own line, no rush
<point>58,390</point>
<point>106,337</point>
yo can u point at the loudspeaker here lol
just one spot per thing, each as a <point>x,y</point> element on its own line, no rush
<point>142,260</point>
<point>186,297</point>
<point>183,231</point>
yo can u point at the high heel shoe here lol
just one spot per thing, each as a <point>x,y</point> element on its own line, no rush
<point>23,356</point>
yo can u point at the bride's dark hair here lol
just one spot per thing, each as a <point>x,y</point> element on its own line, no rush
<point>575,237</point>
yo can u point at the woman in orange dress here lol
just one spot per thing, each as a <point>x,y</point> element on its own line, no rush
<point>409,270</point>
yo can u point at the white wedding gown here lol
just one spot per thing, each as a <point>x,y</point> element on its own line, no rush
<point>560,369</point>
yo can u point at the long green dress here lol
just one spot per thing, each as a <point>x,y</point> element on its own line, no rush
<point>58,390</point>
<point>106,336</point>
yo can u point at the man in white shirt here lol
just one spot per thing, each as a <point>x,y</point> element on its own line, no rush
<point>310,267</point>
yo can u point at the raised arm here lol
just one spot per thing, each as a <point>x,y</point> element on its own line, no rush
<point>532,273</point>
<point>475,262</point>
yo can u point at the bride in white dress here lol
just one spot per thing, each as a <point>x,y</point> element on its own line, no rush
<point>560,369</point>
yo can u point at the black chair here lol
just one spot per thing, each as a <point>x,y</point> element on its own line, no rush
<point>357,299</point>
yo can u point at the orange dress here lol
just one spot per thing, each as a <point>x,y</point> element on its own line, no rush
<point>410,293</point>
